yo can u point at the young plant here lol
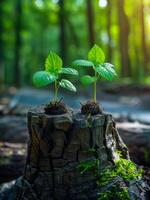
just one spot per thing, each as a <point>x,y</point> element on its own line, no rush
<point>96,60</point>
<point>51,74</point>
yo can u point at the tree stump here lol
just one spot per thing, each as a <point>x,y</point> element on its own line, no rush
<point>57,145</point>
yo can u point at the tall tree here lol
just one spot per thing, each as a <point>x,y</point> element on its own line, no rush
<point>62,24</point>
<point>144,46</point>
<point>72,32</point>
<point>1,40</point>
<point>18,22</point>
<point>123,39</point>
<point>109,16</point>
<point>90,19</point>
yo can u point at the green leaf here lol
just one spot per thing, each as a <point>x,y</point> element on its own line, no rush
<point>53,63</point>
<point>43,78</point>
<point>68,70</point>
<point>87,80</point>
<point>108,65</point>
<point>82,63</point>
<point>106,71</point>
<point>67,85</point>
<point>96,55</point>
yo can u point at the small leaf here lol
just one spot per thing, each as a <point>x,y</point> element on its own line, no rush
<point>108,65</point>
<point>67,85</point>
<point>43,78</point>
<point>110,68</point>
<point>53,63</point>
<point>70,71</point>
<point>87,80</point>
<point>106,72</point>
<point>82,63</point>
<point>96,55</point>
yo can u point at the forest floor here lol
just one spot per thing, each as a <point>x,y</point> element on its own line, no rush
<point>129,102</point>
<point>129,105</point>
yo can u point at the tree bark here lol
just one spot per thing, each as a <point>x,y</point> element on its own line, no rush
<point>123,39</point>
<point>90,19</point>
<point>18,21</point>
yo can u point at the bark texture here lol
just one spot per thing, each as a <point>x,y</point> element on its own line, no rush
<point>57,145</point>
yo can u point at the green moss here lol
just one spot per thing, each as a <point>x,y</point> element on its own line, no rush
<point>113,194</point>
<point>88,166</point>
<point>123,194</point>
<point>123,168</point>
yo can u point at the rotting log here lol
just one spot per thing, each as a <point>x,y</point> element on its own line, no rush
<point>137,137</point>
<point>13,129</point>
<point>58,143</point>
<point>12,161</point>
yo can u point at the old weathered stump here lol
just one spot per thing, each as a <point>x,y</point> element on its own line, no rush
<point>58,143</point>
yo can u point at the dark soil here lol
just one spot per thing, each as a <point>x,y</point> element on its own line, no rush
<point>90,107</point>
<point>56,108</point>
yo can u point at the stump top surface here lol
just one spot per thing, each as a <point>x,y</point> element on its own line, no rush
<point>39,110</point>
<point>80,120</point>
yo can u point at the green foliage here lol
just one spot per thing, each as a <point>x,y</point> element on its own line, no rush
<point>96,55</point>
<point>40,29</point>
<point>87,80</point>
<point>67,85</point>
<point>69,71</point>
<point>106,70</point>
<point>53,68</point>
<point>82,63</point>
<point>43,78</point>
<point>53,63</point>
<point>96,58</point>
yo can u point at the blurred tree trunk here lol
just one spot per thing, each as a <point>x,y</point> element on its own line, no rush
<point>63,36</point>
<point>90,19</point>
<point>109,15</point>
<point>144,46</point>
<point>18,20</point>
<point>1,43</point>
<point>1,34</point>
<point>72,32</point>
<point>123,39</point>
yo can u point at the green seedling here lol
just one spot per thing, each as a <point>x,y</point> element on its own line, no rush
<point>53,69</point>
<point>96,60</point>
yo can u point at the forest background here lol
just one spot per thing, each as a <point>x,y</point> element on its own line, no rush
<point>30,28</point>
